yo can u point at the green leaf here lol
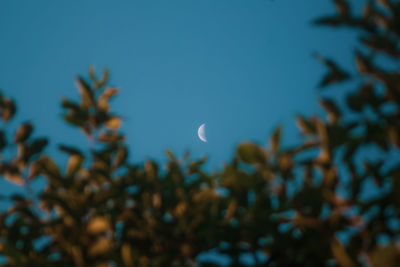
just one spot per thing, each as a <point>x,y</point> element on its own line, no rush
<point>66,103</point>
<point>23,132</point>
<point>331,108</point>
<point>251,153</point>
<point>306,126</point>
<point>332,21</point>
<point>335,73</point>
<point>38,145</point>
<point>120,157</point>
<point>50,168</point>
<point>363,64</point>
<point>70,150</point>
<point>275,139</point>
<point>87,97</point>
<point>8,109</point>
<point>341,255</point>
<point>110,137</point>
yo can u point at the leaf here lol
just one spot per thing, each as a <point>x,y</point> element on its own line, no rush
<point>170,155</point>
<point>126,254</point>
<point>37,145</point>
<point>333,111</point>
<point>157,200</point>
<point>285,161</point>
<point>342,7</point>
<point>275,139</point>
<point>11,173</point>
<point>325,141</point>
<point>368,10</point>
<point>100,247</point>
<point>8,109</point>
<point>151,169</point>
<point>194,167</point>
<point>70,150</point>
<point>66,103</point>
<point>87,98</point>
<point>92,73</point>
<point>102,102</point>
<point>109,92</point>
<point>381,44</point>
<point>335,73</point>
<point>395,177</point>
<point>114,123</point>
<point>103,79</point>
<point>180,209</point>
<point>386,256</point>
<point>354,102</point>
<point>34,169</point>
<point>98,225</point>
<point>231,210</point>
<point>340,253</point>
<point>333,21</point>
<point>50,168</point>
<point>305,126</point>
<point>74,164</point>
<point>23,132</point>
<point>385,3</point>
<point>110,137</point>
<point>3,140</point>
<point>77,256</point>
<point>78,117</point>
<point>363,64</point>
<point>251,153</point>
<point>120,157</point>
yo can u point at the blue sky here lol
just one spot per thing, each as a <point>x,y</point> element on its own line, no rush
<point>240,66</point>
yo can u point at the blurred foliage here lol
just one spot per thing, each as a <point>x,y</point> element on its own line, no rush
<point>307,205</point>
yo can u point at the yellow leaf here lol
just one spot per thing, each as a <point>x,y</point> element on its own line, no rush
<point>186,249</point>
<point>157,201</point>
<point>305,126</point>
<point>388,256</point>
<point>275,140</point>
<point>285,161</point>
<point>340,254</point>
<point>180,209</point>
<point>14,177</point>
<point>110,137</point>
<point>126,254</point>
<point>23,132</point>
<point>102,104</point>
<point>113,123</point>
<point>34,169</point>
<point>77,256</point>
<point>86,93</point>
<point>120,157</point>
<point>101,246</point>
<point>230,211</point>
<point>98,225</point>
<point>109,92</point>
<point>74,164</point>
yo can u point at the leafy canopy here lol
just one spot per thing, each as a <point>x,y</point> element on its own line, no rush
<point>295,206</point>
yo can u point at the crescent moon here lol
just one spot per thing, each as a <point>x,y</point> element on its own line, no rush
<point>201,132</point>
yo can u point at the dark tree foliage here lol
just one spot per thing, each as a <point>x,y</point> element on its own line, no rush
<point>307,205</point>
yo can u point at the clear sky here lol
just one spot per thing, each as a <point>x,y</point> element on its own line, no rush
<point>240,66</point>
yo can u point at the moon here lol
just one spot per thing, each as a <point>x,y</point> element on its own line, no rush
<point>201,132</point>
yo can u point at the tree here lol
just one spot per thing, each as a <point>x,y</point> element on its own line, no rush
<point>282,202</point>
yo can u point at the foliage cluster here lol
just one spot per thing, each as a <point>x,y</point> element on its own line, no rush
<point>306,205</point>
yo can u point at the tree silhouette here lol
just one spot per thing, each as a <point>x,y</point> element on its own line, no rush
<point>282,202</point>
